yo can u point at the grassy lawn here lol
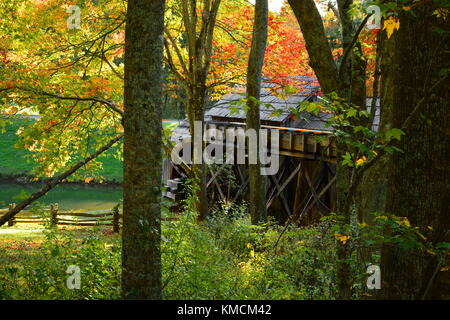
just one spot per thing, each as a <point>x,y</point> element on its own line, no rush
<point>21,233</point>
<point>14,161</point>
<point>33,233</point>
<point>29,236</point>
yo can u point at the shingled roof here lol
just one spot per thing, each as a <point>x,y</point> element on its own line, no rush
<point>227,109</point>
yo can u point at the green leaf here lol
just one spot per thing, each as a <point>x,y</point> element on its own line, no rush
<point>290,89</point>
<point>394,133</point>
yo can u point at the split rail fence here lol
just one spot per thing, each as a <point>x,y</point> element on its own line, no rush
<point>68,218</point>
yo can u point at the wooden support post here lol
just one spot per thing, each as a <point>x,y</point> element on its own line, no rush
<point>115,212</point>
<point>54,207</point>
<point>298,190</point>
<point>11,221</point>
<point>213,179</point>
<point>314,194</point>
<point>282,187</point>
<point>279,177</point>
<point>322,192</point>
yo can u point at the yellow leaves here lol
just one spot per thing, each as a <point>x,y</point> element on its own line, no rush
<point>406,8</point>
<point>441,13</point>
<point>446,268</point>
<point>252,251</point>
<point>5,42</point>
<point>342,238</point>
<point>361,160</point>
<point>390,25</point>
<point>19,131</point>
<point>362,225</point>
<point>88,180</point>
<point>404,222</point>
<point>430,227</point>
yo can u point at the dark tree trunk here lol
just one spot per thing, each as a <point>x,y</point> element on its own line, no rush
<point>141,256</point>
<point>257,201</point>
<point>199,175</point>
<point>331,80</point>
<point>419,176</point>
<point>320,57</point>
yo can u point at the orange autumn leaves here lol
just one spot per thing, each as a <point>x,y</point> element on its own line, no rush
<point>285,56</point>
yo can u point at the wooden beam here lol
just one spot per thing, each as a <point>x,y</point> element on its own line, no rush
<point>217,184</point>
<point>321,193</point>
<point>214,175</point>
<point>309,156</point>
<point>314,194</point>
<point>281,188</point>
<point>298,190</point>
<point>280,175</point>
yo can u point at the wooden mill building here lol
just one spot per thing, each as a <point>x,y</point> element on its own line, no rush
<point>304,184</point>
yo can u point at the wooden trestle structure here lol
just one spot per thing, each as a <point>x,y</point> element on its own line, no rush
<point>303,187</point>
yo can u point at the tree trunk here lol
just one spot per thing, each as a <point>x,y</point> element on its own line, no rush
<point>141,256</point>
<point>199,176</point>
<point>257,201</point>
<point>320,57</point>
<point>331,80</point>
<point>200,45</point>
<point>419,176</point>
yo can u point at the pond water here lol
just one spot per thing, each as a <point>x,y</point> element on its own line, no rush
<point>68,196</point>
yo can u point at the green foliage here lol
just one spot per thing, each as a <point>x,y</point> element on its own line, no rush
<point>43,275</point>
<point>228,258</point>
<point>223,258</point>
<point>352,127</point>
<point>15,159</point>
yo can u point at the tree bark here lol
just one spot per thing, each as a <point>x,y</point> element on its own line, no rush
<point>141,237</point>
<point>320,57</point>
<point>419,176</point>
<point>257,201</point>
<point>198,171</point>
<point>349,82</point>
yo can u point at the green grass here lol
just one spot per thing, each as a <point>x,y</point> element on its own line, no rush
<point>22,232</point>
<point>14,160</point>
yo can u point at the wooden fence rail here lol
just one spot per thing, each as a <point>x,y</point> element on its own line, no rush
<point>68,218</point>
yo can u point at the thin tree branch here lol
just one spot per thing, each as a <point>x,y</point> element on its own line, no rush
<point>54,182</point>
<point>352,44</point>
